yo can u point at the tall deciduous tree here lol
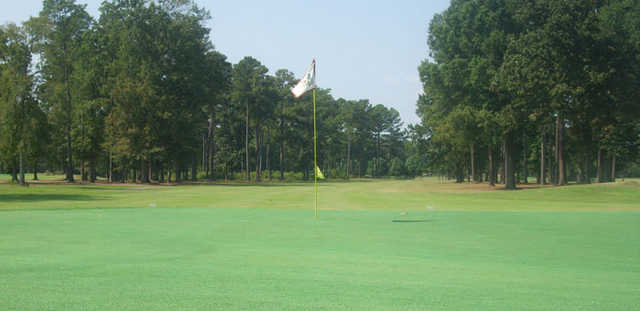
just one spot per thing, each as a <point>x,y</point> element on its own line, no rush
<point>18,109</point>
<point>248,81</point>
<point>58,31</point>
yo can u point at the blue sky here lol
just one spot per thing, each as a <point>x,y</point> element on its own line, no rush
<point>363,49</point>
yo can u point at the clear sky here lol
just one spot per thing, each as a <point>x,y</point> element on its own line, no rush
<point>363,49</point>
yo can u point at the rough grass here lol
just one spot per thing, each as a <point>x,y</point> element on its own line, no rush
<point>356,195</point>
<point>259,248</point>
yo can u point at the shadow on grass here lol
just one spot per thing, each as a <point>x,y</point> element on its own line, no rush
<point>102,185</point>
<point>36,197</point>
<point>414,220</point>
<point>80,208</point>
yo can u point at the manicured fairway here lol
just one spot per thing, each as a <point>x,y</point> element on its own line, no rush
<point>259,248</point>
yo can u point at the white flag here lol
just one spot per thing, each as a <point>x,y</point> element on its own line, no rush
<point>307,83</point>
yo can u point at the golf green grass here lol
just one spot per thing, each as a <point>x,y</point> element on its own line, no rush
<point>375,246</point>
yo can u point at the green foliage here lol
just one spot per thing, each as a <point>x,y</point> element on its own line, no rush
<point>500,68</point>
<point>140,94</point>
<point>397,167</point>
<point>58,34</point>
<point>23,130</point>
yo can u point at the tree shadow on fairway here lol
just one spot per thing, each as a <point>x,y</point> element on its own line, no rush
<point>412,220</point>
<point>37,197</point>
<point>71,208</point>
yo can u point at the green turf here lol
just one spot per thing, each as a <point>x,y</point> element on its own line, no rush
<point>357,195</point>
<point>104,248</point>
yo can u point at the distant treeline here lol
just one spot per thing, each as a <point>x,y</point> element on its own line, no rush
<point>532,88</point>
<point>140,94</point>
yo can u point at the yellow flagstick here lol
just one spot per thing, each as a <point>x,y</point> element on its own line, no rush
<point>315,159</point>
<point>308,83</point>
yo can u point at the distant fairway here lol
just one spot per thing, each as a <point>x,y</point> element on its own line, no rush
<point>257,247</point>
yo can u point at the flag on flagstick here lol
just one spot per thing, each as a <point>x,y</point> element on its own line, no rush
<point>319,173</point>
<point>308,83</point>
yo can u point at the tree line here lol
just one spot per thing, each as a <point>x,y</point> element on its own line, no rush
<point>543,88</point>
<point>140,94</point>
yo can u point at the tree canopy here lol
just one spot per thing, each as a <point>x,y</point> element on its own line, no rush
<point>141,94</point>
<point>508,77</point>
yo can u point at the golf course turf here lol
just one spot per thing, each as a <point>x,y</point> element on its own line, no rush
<point>375,246</point>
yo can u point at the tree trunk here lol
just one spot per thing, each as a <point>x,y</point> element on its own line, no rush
<point>14,171</point>
<point>269,162</point>
<point>205,158</point>
<point>35,168</point>
<point>550,170</point>
<point>177,173</point>
<point>92,168</point>
<point>600,177</point>
<point>83,173</point>
<point>542,171</point>
<point>613,167</point>
<point>559,151</point>
<point>282,160</point>
<point>224,171</point>
<point>150,169</point>
<point>503,166</point>
<point>555,153</point>
<point>282,141</point>
<point>69,176</point>
<point>194,168</point>
<point>144,178</point>
<point>375,163</point>
<point>587,145</point>
<point>258,152</point>
<point>348,156</point>
<point>21,170</point>
<point>495,164</point>
<point>473,163</point>
<point>606,168</point>
<point>525,151</point>
<point>110,166</point>
<point>586,178</point>
<point>327,169</point>
<point>211,165</point>
<point>246,144</point>
<point>491,173</point>
<point>135,175</point>
<point>509,180</point>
